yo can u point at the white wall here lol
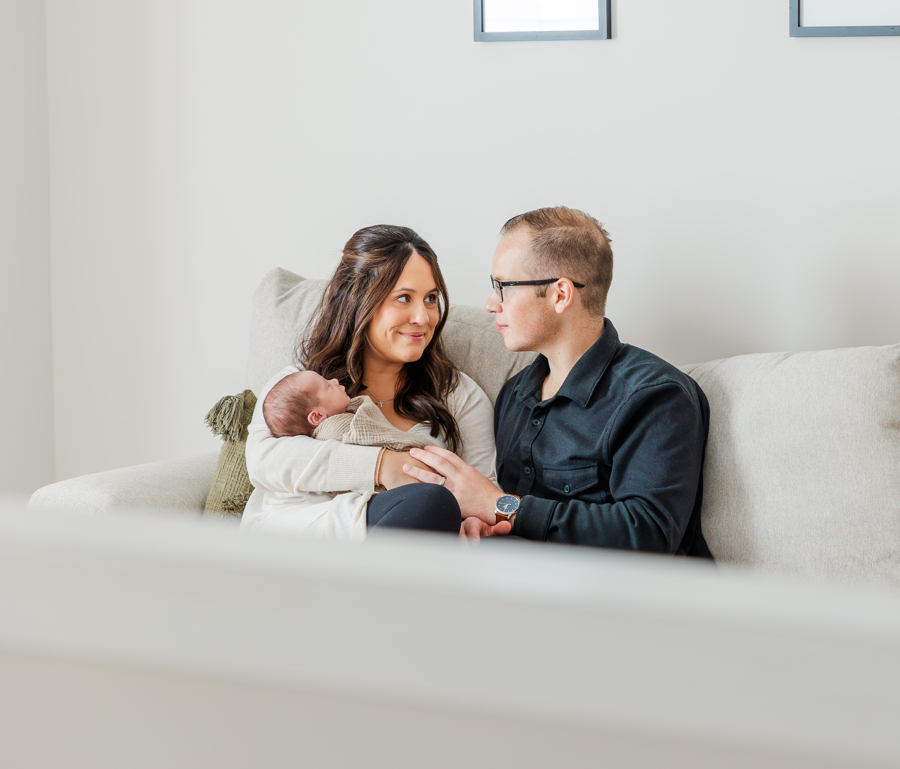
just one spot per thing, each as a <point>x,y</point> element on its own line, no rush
<point>26,358</point>
<point>749,180</point>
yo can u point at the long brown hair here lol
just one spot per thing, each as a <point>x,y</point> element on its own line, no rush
<point>370,268</point>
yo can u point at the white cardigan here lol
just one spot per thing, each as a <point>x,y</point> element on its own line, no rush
<point>296,478</point>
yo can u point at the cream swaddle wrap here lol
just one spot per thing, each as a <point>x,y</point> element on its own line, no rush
<point>363,424</point>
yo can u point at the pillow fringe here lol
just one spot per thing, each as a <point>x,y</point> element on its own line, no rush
<point>229,417</point>
<point>235,505</point>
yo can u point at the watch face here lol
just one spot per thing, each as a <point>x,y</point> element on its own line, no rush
<point>507,504</point>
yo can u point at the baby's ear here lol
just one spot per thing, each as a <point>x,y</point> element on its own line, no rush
<point>316,418</point>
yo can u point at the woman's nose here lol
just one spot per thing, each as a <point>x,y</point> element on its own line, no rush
<point>419,313</point>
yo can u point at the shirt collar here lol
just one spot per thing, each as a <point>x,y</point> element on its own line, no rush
<point>584,376</point>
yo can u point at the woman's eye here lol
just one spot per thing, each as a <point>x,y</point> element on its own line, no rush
<point>432,299</point>
<point>403,298</point>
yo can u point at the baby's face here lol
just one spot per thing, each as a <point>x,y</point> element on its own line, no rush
<point>331,396</point>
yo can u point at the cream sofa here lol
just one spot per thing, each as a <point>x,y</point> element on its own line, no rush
<point>802,471</point>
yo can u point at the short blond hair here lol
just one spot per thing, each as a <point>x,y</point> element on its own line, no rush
<point>567,243</point>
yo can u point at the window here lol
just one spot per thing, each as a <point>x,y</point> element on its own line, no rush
<point>844,18</point>
<point>497,20</point>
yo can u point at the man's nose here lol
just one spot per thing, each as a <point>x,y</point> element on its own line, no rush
<point>492,304</point>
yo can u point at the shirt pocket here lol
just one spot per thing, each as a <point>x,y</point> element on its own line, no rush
<point>571,480</point>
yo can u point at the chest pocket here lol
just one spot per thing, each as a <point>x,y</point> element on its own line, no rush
<point>570,480</point>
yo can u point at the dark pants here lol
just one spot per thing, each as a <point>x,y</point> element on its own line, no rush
<point>422,506</point>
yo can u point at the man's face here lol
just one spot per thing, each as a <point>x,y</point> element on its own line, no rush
<point>525,320</point>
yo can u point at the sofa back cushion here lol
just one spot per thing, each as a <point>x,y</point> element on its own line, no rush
<point>802,470</point>
<point>284,305</point>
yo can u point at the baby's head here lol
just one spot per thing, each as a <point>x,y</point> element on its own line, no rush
<point>300,402</point>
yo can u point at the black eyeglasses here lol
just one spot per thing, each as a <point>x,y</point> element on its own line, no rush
<point>499,285</point>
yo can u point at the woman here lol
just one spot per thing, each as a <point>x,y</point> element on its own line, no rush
<point>378,333</point>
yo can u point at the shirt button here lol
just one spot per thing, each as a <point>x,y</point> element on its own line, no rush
<point>536,422</point>
<point>566,488</point>
<point>526,470</point>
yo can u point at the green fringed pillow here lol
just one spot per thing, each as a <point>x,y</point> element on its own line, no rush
<point>231,485</point>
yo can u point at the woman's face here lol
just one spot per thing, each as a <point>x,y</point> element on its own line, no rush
<point>403,326</point>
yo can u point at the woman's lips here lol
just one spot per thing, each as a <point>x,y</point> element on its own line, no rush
<point>414,337</point>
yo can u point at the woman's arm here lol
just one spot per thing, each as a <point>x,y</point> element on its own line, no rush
<point>296,464</point>
<point>391,475</point>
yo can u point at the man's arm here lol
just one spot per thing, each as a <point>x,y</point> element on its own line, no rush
<point>655,445</point>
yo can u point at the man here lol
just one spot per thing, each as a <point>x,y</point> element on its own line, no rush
<point>598,442</point>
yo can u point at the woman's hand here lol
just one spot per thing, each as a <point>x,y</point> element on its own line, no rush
<point>474,529</point>
<point>391,475</point>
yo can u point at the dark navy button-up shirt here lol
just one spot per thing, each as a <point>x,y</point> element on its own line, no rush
<point>614,459</point>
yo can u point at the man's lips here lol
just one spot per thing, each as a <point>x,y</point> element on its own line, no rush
<point>501,329</point>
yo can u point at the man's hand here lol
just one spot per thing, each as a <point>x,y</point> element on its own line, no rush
<point>473,529</point>
<point>393,463</point>
<point>475,493</point>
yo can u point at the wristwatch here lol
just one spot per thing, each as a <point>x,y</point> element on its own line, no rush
<point>506,507</point>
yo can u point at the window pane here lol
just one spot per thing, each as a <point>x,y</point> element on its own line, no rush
<point>540,15</point>
<point>849,13</point>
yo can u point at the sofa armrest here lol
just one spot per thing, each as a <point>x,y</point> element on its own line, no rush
<point>173,484</point>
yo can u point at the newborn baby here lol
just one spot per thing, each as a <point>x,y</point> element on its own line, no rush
<point>305,403</point>
<point>300,402</point>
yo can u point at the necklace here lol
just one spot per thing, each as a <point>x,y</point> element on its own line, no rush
<point>379,401</point>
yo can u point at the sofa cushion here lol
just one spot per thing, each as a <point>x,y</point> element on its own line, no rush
<point>802,471</point>
<point>284,305</point>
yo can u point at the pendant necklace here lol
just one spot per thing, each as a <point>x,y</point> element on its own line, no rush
<point>380,401</point>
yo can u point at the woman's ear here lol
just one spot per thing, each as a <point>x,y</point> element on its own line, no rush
<point>315,418</point>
